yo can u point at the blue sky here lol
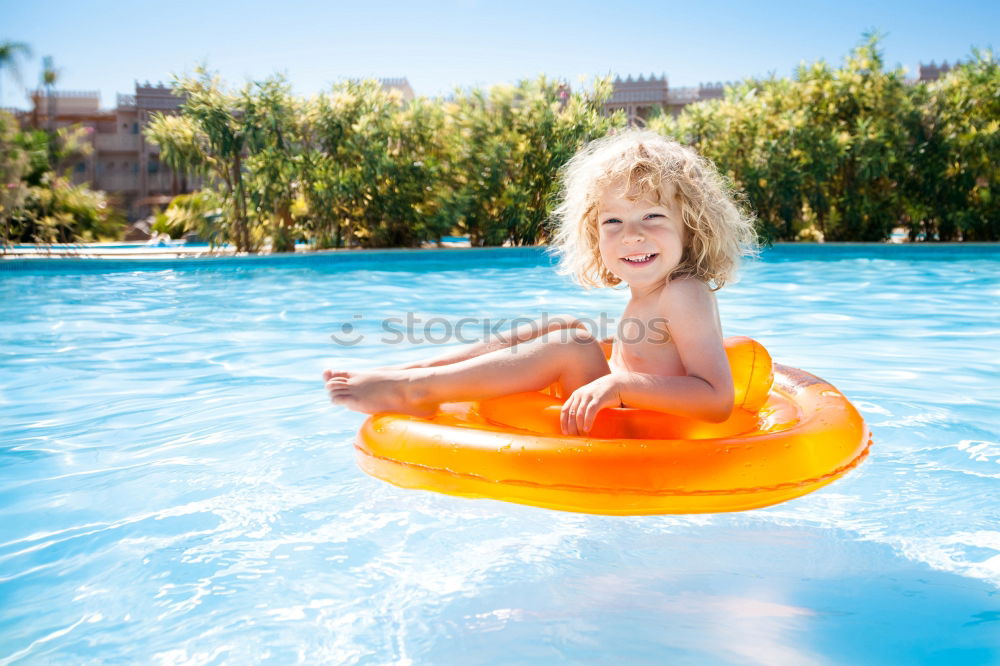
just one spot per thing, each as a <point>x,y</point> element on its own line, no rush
<point>107,45</point>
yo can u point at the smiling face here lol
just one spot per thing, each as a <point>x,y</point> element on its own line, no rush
<point>641,240</point>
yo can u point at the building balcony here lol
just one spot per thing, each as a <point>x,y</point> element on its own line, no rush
<point>119,142</point>
<point>117,182</point>
<point>683,96</point>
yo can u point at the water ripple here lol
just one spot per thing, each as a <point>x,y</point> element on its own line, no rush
<point>175,487</point>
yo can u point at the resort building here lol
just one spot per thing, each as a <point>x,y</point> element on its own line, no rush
<point>933,72</point>
<point>122,162</point>
<point>639,97</point>
<point>400,84</point>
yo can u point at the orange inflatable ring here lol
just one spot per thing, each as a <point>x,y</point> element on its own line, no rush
<point>789,434</point>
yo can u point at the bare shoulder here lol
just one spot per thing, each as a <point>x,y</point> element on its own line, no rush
<point>686,296</point>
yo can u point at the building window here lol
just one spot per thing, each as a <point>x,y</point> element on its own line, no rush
<point>153,166</point>
<point>135,128</point>
<point>80,167</point>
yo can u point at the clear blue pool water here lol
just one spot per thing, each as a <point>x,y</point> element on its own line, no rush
<point>176,489</point>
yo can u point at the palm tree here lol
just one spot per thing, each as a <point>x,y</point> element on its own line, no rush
<point>49,77</point>
<point>9,54</point>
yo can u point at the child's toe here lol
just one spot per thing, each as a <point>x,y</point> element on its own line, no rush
<point>338,376</point>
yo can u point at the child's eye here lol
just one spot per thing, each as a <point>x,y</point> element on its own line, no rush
<point>612,220</point>
<point>652,215</point>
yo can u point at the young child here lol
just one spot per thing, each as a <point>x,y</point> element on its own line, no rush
<point>637,209</point>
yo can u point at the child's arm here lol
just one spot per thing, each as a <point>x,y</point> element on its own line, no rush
<point>523,333</point>
<point>704,392</point>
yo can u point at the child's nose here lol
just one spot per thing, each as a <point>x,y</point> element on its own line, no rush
<point>633,233</point>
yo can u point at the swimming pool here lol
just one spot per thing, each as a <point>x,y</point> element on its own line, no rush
<point>176,488</point>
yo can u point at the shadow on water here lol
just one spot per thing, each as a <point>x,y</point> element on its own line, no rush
<point>728,594</point>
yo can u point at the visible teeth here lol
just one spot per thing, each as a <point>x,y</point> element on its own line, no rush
<point>638,259</point>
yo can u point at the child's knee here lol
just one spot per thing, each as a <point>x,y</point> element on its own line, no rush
<point>575,336</point>
<point>577,355</point>
<point>576,344</point>
<point>562,321</point>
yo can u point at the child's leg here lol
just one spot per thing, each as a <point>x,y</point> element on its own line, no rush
<point>570,360</point>
<point>523,333</point>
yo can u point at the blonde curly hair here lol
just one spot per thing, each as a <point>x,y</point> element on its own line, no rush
<point>719,230</point>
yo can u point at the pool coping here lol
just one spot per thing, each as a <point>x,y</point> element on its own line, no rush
<point>146,252</point>
<point>140,251</point>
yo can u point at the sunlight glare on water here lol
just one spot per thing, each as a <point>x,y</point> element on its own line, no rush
<point>176,488</point>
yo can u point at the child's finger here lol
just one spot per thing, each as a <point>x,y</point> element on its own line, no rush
<point>589,416</point>
<point>568,417</point>
<point>564,420</point>
<point>564,413</point>
<point>581,418</point>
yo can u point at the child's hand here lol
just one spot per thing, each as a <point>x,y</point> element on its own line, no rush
<point>581,408</point>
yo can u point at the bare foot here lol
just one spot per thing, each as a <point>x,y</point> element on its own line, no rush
<point>375,391</point>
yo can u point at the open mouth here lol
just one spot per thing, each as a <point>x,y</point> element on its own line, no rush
<point>639,259</point>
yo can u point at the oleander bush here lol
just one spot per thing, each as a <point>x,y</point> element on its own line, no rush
<point>38,201</point>
<point>196,212</point>
<point>855,151</point>
<point>845,153</point>
<point>359,166</point>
